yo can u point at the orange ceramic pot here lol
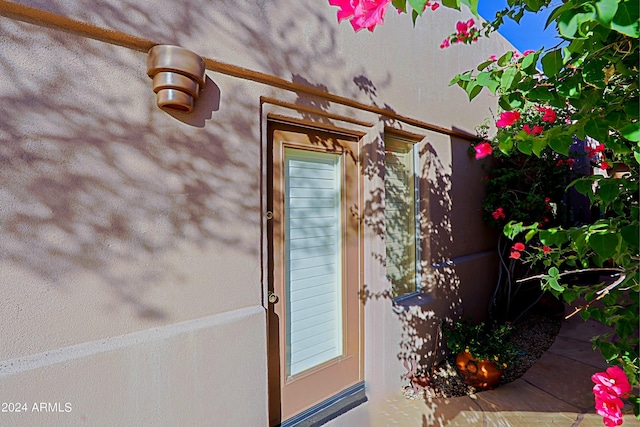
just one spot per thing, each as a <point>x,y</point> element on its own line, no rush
<point>481,374</point>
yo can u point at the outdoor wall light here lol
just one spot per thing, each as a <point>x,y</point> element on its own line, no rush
<point>178,76</point>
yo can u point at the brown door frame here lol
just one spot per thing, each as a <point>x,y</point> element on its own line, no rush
<point>348,147</point>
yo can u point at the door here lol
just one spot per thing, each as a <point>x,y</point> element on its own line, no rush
<point>314,240</point>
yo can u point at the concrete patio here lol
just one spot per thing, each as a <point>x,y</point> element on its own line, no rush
<point>556,391</point>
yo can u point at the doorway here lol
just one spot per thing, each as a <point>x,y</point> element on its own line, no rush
<point>314,240</point>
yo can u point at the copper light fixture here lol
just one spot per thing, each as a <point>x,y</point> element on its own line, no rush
<point>178,76</point>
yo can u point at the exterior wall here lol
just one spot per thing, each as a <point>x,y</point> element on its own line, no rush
<point>131,240</point>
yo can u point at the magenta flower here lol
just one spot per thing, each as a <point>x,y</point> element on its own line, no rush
<point>610,409</point>
<point>362,13</point>
<point>493,58</point>
<point>537,130</point>
<point>507,118</point>
<point>528,52</point>
<point>483,150</point>
<point>615,380</point>
<point>548,115</point>
<point>432,6</point>
<point>445,43</point>
<point>498,214</point>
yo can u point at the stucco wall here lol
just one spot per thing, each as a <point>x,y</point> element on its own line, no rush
<point>131,240</point>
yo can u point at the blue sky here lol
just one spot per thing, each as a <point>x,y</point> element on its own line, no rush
<point>529,34</point>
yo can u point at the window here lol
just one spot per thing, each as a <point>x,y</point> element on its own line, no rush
<point>402,248</point>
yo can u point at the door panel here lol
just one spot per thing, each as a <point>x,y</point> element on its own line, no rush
<point>315,269</point>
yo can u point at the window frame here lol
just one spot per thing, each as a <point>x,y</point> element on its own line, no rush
<point>391,137</point>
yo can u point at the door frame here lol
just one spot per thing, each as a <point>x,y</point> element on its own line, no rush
<point>275,375</point>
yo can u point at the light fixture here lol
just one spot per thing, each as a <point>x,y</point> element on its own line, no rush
<point>178,76</point>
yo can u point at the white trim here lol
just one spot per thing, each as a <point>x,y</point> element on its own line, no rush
<point>48,358</point>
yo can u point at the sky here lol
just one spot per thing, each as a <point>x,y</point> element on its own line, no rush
<point>529,34</point>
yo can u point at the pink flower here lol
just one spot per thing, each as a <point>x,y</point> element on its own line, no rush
<point>546,249</point>
<point>528,52</point>
<point>461,27</point>
<point>445,43</point>
<point>507,118</point>
<point>516,55</point>
<point>548,114</point>
<point>609,408</point>
<point>493,58</point>
<point>515,255</point>
<point>518,247</point>
<point>537,130</point>
<point>614,380</point>
<point>346,9</point>
<point>498,214</point>
<point>432,6</point>
<point>594,151</point>
<point>483,150</point>
<point>362,13</point>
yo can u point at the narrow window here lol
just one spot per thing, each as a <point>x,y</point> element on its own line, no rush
<point>400,217</point>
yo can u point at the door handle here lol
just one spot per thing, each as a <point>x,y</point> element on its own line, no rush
<point>273,298</point>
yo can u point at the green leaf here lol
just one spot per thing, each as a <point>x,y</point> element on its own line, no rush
<point>593,72</point>
<point>553,237</point>
<point>530,235</point>
<point>552,63</point>
<point>630,235</point>
<point>608,191</point>
<point>453,4</point>
<point>485,79</point>
<point>553,283</point>
<point>473,6</point>
<point>515,100</point>
<point>561,143</point>
<point>534,5</point>
<point>569,295</point>
<point>539,144</point>
<point>554,272</point>
<point>568,24</point>
<point>570,87</point>
<point>508,78</point>
<point>505,59</point>
<point>506,145</point>
<point>631,132</point>
<point>632,109</point>
<point>598,129</point>
<point>529,62</point>
<point>400,4</point>
<point>605,11</point>
<point>473,89</point>
<point>484,65</point>
<point>608,350</point>
<point>604,244</point>
<point>540,93</point>
<point>417,5</point>
<point>625,20</point>
<point>625,328</point>
<point>557,12</point>
<point>525,146</point>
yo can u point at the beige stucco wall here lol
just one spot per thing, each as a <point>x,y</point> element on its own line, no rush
<point>131,240</point>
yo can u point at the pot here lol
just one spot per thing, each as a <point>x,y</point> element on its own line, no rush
<point>481,374</point>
